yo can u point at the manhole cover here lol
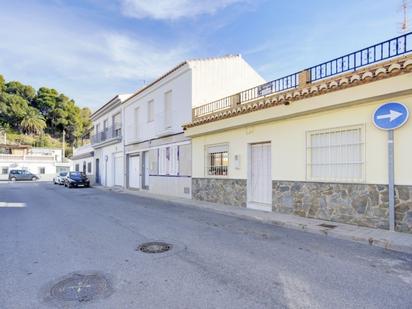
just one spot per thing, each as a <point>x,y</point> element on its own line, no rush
<point>154,247</point>
<point>81,288</point>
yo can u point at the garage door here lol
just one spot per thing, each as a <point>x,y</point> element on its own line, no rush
<point>134,172</point>
<point>118,170</point>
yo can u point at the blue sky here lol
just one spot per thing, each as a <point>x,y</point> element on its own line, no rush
<point>94,49</point>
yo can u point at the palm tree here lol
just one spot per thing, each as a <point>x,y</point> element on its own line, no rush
<point>33,122</point>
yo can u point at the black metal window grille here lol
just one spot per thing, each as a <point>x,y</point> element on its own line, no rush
<point>218,163</point>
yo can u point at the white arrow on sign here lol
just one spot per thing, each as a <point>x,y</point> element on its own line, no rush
<point>392,115</point>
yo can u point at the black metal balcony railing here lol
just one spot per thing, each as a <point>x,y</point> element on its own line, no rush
<point>114,132</point>
<point>369,55</point>
<point>351,62</point>
<point>278,85</point>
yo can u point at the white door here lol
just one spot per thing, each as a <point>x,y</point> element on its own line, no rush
<point>134,172</point>
<point>118,170</point>
<point>260,182</point>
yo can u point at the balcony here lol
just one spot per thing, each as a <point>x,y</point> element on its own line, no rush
<point>349,63</point>
<point>110,135</point>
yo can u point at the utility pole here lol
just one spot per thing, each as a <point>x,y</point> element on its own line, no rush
<point>405,23</point>
<point>64,141</point>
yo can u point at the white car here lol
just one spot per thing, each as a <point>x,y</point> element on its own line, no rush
<point>59,178</point>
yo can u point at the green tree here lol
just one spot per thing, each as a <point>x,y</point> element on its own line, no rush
<point>85,113</point>
<point>33,122</point>
<point>45,113</point>
<point>45,100</point>
<point>13,108</point>
<point>24,91</point>
<point>2,83</point>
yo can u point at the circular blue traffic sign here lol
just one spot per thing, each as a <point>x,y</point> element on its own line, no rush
<point>390,116</point>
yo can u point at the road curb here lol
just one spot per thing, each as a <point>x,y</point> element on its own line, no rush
<point>395,241</point>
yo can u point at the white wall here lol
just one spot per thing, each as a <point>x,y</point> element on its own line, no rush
<point>217,78</point>
<point>180,84</point>
<point>33,167</point>
<point>107,167</point>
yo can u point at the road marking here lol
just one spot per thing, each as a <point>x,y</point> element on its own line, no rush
<point>12,205</point>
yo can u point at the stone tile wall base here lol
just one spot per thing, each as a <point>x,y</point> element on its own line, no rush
<point>358,204</point>
<point>223,191</point>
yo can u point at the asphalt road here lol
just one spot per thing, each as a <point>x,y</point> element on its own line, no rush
<point>48,233</point>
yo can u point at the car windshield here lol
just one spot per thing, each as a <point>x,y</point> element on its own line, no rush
<point>63,174</point>
<point>76,174</point>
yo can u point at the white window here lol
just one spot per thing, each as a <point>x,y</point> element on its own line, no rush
<point>136,122</point>
<point>168,110</point>
<point>105,125</point>
<point>150,111</point>
<point>169,160</point>
<point>117,125</point>
<point>217,160</point>
<point>336,155</point>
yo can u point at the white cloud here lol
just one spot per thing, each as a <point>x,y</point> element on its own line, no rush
<point>134,59</point>
<point>173,9</point>
<point>85,62</point>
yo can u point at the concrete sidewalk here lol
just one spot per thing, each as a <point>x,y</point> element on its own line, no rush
<point>396,241</point>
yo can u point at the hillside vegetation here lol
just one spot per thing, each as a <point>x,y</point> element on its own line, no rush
<point>38,117</point>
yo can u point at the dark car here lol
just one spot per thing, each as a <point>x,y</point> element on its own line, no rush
<point>22,175</point>
<point>76,179</point>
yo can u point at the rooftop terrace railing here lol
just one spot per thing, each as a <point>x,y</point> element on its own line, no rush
<point>351,62</point>
<point>277,85</point>
<point>367,56</point>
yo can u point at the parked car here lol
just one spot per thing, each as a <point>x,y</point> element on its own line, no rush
<point>76,179</point>
<point>22,175</point>
<point>59,178</point>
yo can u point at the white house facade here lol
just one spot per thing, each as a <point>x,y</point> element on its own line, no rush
<point>44,162</point>
<point>83,161</point>
<point>107,142</point>
<point>158,157</point>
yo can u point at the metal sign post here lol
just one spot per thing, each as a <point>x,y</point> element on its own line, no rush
<point>390,116</point>
<point>391,178</point>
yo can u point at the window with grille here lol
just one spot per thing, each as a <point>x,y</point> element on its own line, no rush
<point>217,160</point>
<point>77,168</point>
<point>336,155</point>
<point>4,170</point>
<point>42,170</point>
<point>89,167</point>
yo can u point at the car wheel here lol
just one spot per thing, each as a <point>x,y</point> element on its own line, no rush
<point>13,179</point>
<point>33,179</point>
